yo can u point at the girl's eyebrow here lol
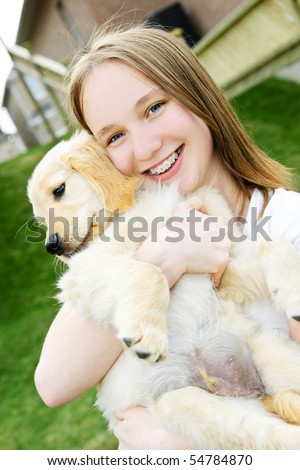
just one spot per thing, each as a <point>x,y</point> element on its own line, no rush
<point>105,130</point>
<point>139,104</point>
<point>144,99</point>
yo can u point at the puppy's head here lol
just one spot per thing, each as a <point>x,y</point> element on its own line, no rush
<point>73,191</point>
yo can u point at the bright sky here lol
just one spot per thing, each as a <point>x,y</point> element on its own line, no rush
<point>10,11</point>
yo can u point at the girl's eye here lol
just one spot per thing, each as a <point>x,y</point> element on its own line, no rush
<point>154,108</point>
<point>115,137</point>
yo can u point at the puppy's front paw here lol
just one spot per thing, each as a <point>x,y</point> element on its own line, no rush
<point>147,342</point>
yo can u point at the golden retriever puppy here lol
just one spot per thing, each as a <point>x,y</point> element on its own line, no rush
<point>190,355</point>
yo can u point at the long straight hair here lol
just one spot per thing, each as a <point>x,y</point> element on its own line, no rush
<point>172,65</point>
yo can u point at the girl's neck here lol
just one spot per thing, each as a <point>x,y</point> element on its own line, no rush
<point>237,199</point>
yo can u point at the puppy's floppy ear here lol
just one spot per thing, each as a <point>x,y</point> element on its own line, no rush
<point>115,190</point>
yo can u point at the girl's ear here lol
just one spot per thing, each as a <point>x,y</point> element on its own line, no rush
<point>115,190</point>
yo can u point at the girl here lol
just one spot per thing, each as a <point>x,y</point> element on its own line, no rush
<point>149,103</point>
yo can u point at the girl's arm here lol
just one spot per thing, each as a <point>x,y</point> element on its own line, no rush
<point>76,354</point>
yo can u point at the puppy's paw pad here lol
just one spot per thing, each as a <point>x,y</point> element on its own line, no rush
<point>151,346</point>
<point>142,354</point>
<point>129,342</point>
<point>155,358</point>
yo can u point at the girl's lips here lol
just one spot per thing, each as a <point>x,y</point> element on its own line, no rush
<point>172,171</point>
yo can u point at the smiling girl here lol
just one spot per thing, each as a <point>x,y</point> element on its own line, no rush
<point>149,103</point>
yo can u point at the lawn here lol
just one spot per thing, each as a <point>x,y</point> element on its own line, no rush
<point>270,112</point>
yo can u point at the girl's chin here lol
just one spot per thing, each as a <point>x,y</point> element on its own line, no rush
<point>187,186</point>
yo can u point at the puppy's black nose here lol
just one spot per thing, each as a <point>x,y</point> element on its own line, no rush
<point>54,245</point>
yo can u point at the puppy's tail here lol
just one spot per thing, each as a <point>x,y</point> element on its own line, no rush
<point>286,404</point>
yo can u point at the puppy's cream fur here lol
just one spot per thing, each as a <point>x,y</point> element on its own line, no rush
<point>212,349</point>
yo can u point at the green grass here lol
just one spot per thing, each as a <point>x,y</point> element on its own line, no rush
<point>270,112</point>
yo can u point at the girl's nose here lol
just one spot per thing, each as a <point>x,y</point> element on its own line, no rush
<point>145,143</point>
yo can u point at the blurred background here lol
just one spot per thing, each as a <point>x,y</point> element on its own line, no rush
<point>252,50</point>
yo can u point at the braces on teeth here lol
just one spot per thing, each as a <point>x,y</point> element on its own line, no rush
<point>166,164</point>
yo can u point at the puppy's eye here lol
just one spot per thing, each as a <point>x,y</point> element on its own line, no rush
<point>58,192</point>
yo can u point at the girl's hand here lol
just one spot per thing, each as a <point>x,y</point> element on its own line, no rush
<point>194,242</point>
<point>138,429</point>
<point>209,232</point>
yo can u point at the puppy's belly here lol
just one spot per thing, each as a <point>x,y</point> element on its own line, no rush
<point>226,371</point>
<point>203,352</point>
<point>220,364</point>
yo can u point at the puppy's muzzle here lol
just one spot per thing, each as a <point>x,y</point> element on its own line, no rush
<point>55,245</point>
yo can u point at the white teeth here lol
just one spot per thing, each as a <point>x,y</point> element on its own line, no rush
<point>166,165</point>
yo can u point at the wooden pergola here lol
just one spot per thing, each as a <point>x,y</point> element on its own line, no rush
<point>255,41</point>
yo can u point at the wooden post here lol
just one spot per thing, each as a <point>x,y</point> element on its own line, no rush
<point>37,105</point>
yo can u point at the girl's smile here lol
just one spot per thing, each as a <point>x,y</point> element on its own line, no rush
<point>168,167</point>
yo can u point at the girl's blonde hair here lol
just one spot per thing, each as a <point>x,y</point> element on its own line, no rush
<point>171,64</point>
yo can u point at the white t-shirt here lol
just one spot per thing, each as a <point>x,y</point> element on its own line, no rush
<point>281,217</point>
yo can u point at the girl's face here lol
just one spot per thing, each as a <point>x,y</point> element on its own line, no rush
<point>146,131</point>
